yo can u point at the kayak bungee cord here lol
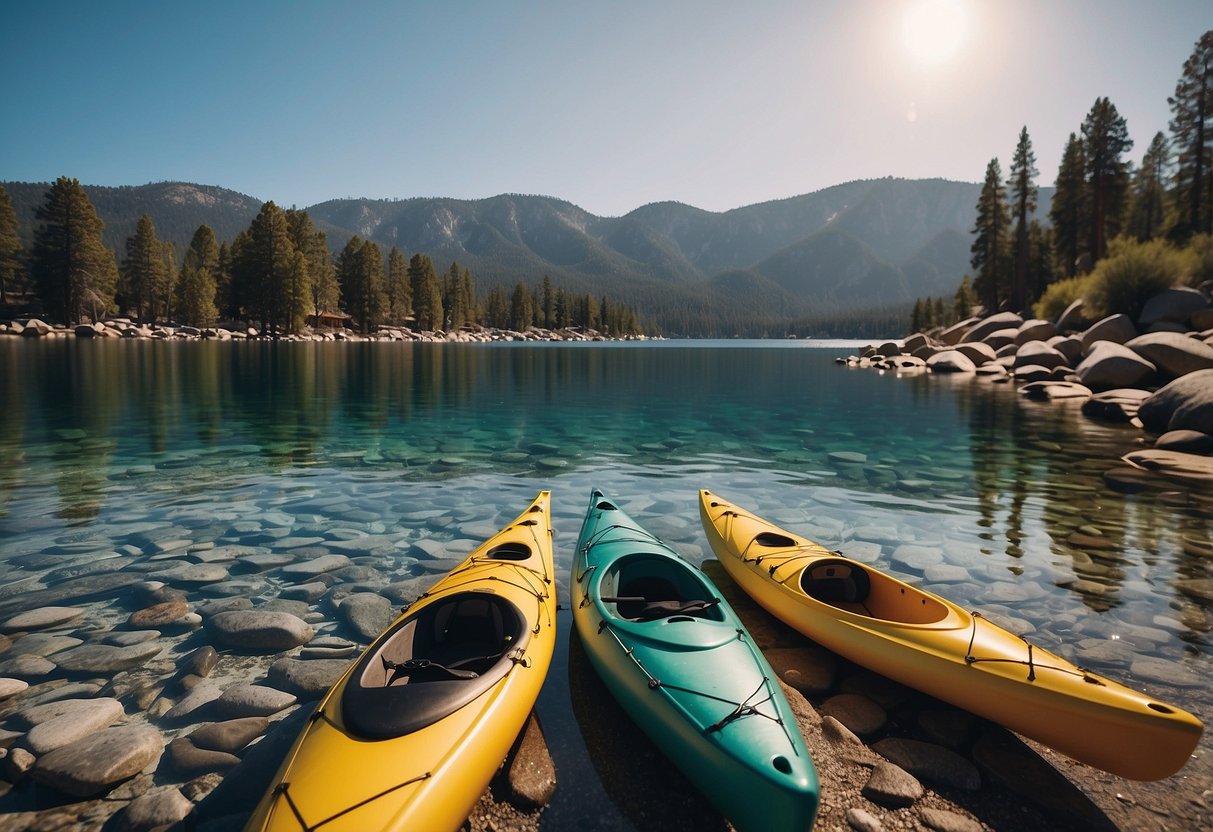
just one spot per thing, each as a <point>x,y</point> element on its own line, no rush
<point>1081,672</point>
<point>283,790</point>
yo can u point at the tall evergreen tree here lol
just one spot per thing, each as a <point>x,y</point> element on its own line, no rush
<point>399,292</point>
<point>1040,258</point>
<point>196,288</point>
<point>1192,139</point>
<point>427,294</point>
<point>264,270</point>
<point>168,287</point>
<point>10,247</point>
<point>522,308</point>
<point>1022,188</point>
<point>548,301</point>
<point>1070,209</point>
<point>1105,138</point>
<point>990,239</point>
<point>964,299</point>
<point>143,273</point>
<point>497,309</point>
<point>72,269</point>
<point>316,291</point>
<point>224,301</point>
<point>360,272</point>
<point>456,297</point>
<point>1147,210</point>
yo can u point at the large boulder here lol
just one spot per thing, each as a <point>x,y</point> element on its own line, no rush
<point>35,328</point>
<point>999,339</point>
<point>1176,305</point>
<point>1119,405</point>
<point>1000,320</point>
<point>1114,328</point>
<point>1173,354</point>
<point>1035,330</point>
<point>914,342</point>
<point>978,353</point>
<point>258,630</point>
<point>1040,354</point>
<point>952,335</point>
<point>1068,345</point>
<point>950,361</point>
<point>1074,319</point>
<point>1184,404</point>
<point>1109,365</point>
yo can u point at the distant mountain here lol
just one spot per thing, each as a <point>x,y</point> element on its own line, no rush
<point>848,247</point>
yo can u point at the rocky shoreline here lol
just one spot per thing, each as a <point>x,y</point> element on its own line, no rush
<point>1155,373</point>
<point>125,328</point>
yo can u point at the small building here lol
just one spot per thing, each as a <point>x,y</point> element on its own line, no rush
<point>326,321</point>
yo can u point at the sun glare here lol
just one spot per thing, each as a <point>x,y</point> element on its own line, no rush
<point>933,30</point>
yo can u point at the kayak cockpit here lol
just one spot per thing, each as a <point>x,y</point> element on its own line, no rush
<point>850,586</point>
<point>648,587</point>
<point>432,663</point>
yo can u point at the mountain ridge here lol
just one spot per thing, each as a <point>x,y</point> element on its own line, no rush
<point>828,251</point>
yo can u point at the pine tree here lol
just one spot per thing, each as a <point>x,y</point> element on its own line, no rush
<point>1040,258</point>
<point>1192,139</point>
<point>1106,139</point>
<point>549,304</point>
<point>964,300</point>
<point>522,308</point>
<point>315,289</point>
<point>263,270</point>
<point>142,270</point>
<point>467,289</point>
<point>196,288</point>
<point>72,269</point>
<point>1148,200</point>
<point>224,301</point>
<point>1071,207</point>
<point>990,239</point>
<point>168,287</point>
<point>360,272</point>
<point>497,309</point>
<point>427,295</point>
<point>399,293</point>
<point>1022,188</point>
<point>456,298</point>
<point>10,247</point>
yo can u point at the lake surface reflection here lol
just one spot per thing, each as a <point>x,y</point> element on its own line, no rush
<point>122,448</point>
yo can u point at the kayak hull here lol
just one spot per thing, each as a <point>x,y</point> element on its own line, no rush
<point>931,644</point>
<point>412,733</point>
<point>692,680</point>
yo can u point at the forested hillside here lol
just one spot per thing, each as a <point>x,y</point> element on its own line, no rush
<point>768,268</point>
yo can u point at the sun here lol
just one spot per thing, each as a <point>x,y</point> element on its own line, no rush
<point>933,30</point>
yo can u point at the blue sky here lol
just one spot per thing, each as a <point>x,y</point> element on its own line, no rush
<point>608,105</point>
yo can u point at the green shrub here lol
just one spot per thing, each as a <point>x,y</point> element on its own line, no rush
<point>1130,275</point>
<point>1199,254</point>
<point>1058,296</point>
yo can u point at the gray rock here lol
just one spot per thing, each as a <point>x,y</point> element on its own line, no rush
<point>862,820</point>
<point>952,335</point>
<point>306,678</point>
<point>932,763</point>
<point>44,644</point>
<point>198,696</point>
<point>106,658</point>
<point>367,613</point>
<point>190,760</point>
<point>860,714</point>
<point>229,736</point>
<point>1170,673</point>
<point>156,810</point>
<point>129,638</point>
<point>1118,405</point>
<point>1184,404</point>
<point>948,727</point>
<point>1073,319</point>
<point>315,566</point>
<point>1034,330</point>
<point>252,700</point>
<point>950,361</point>
<point>224,605</point>
<point>84,717</point>
<point>1177,305</point>
<point>993,323</point>
<point>979,353</point>
<point>892,786</point>
<point>1109,365</point>
<point>1040,354</point>
<point>100,761</point>
<point>1186,441</point>
<point>254,630</point>
<point>309,593</point>
<point>159,615</point>
<point>41,619</point>
<point>27,666</point>
<point>1173,354</point>
<point>531,774</point>
<point>941,820</point>
<point>17,764</point>
<point>1114,328</point>
<point>11,687</point>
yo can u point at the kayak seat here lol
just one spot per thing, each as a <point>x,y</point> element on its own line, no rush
<point>836,581</point>
<point>641,591</point>
<point>432,663</point>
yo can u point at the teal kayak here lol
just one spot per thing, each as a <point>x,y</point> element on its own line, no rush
<point>679,661</point>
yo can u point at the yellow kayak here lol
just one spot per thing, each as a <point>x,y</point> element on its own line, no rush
<point>931,644</point>
<point>411,734</point>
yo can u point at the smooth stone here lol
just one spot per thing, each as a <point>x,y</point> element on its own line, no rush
<point>941,820</point>
<point>100,761</point>
<point>41,619</point>
<point>158,615</point>
<point>35,715</point>
<point>367,613</point>
<point>129,638</point>
<point>532,774</point>
<point>264,561</point>
<point>11,687</point>
<point>156,810</point>
<point>27,666</point>
<point>892,786</point>
<point>1199,588</point>
<point>862,820</point>
<point>189,759</point>
<point>88,716</point>
<point>917,558</point>
<point>252,700</point>
<point>322,653</point>
<point>197,573</point>
<point>316,566</point>
<point>945,573</point>
<point>44,644</point>
<point>1187,441</point>
<point>1171,673</point>
<point>17,764</point>
<point>932,763</point>
<point>250,629</point>
<point>198,696</point>
<point>306,678</point>
<point>858,713</point>
<point>810,670</point>
<point>309,593</point>
<point>106,658</point>
<point>201,661</point>
<point>224,605</point>
<point>848,457</point>
<point>229,736</point>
